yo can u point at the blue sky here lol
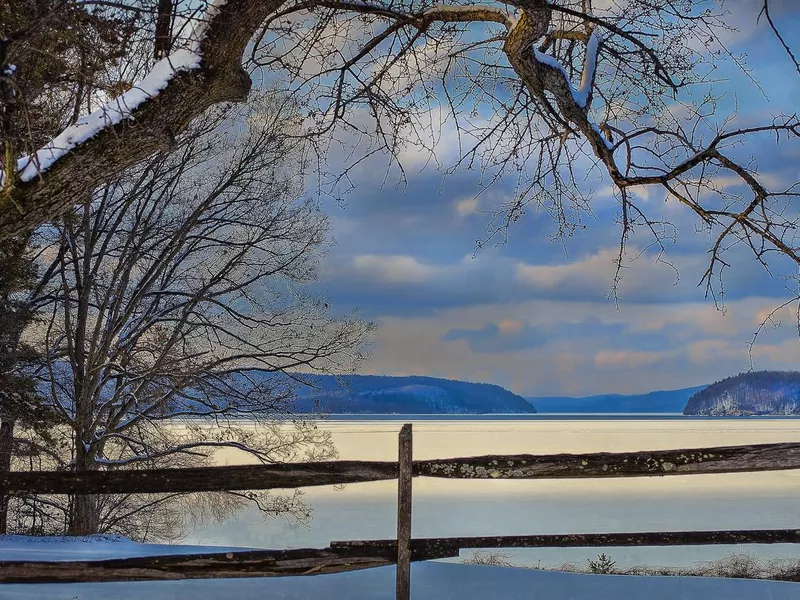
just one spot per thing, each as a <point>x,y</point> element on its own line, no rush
<point>535,315</point>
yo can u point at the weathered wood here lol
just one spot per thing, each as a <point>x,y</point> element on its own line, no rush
<point>575,540</point>
<point>404,478</point>
<point>697,461</point>
<point>201,479</point>
<point>255,563</point>
<point>645,463</point>
<point>350,555</point>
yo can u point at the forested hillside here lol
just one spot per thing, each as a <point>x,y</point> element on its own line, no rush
<point>377,394</point>
<point>751,393</point>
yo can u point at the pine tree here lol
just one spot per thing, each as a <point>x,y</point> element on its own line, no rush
<point>19,402</point>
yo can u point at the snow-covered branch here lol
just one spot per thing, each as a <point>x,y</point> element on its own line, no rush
<point>584,90</point>
<point>142,120</point>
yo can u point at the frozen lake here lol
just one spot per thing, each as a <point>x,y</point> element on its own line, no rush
<point>497,507</point>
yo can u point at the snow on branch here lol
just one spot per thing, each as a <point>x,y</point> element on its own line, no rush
<point>582,93</point>
<point>122,107</point>
<point>110,114</point>
<point>200,27</point>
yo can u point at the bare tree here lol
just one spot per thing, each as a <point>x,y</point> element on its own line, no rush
<point>61,47</point>
<point>175,295</point>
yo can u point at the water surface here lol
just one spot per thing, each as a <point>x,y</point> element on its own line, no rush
<point>501,507</point>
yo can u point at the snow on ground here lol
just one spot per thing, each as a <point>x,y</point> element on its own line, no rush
<point>429,581</point>
<point>90,547</point>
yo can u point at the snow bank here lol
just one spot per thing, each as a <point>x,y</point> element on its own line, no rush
<point>429,581</point>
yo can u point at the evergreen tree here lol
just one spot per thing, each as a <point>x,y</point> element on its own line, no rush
<point>19,401</point>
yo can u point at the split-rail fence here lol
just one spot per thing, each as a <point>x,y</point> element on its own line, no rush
<point>361,554</point>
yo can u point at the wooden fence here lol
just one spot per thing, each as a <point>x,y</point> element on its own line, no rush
<point>360,554</point>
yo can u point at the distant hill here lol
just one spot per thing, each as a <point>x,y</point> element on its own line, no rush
<point>378,394</point>
<point>352,394</point>
<point>752,393</point>
<point>668,401</point>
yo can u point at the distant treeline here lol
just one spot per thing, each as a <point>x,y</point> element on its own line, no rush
<point>382,394</point>
<point>750,393</point>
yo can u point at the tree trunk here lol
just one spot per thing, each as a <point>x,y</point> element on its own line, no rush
<point>85,517</point>
<point>6,441</point>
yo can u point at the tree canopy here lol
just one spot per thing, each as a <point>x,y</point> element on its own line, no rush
<point>542,90</point>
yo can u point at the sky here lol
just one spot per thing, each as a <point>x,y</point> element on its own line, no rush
<point>536,315</point>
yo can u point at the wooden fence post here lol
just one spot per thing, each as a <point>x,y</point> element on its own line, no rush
<point>404,478</point>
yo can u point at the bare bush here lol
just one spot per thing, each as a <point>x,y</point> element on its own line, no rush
<point>734,566</point>
<point>490,558</point>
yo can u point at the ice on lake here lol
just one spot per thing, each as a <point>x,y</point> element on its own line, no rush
<point>499,507</point>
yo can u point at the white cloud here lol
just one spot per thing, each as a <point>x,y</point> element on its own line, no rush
<point>666,346</point>
<point>433,140</point>
<point>392,269</point>
<point>596,268</point>
<point>510,326</point>
<point>628,358</point>
<point>466,206</point>
<point>713,351</point>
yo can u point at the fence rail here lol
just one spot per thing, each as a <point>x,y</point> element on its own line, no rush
<point>351,556</point>
<point>254,563</point>
<point>587,540</point>
<point>361,554</point>
<point>695,461</point>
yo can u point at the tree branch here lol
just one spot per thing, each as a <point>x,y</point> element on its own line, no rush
<point>219,77</point>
